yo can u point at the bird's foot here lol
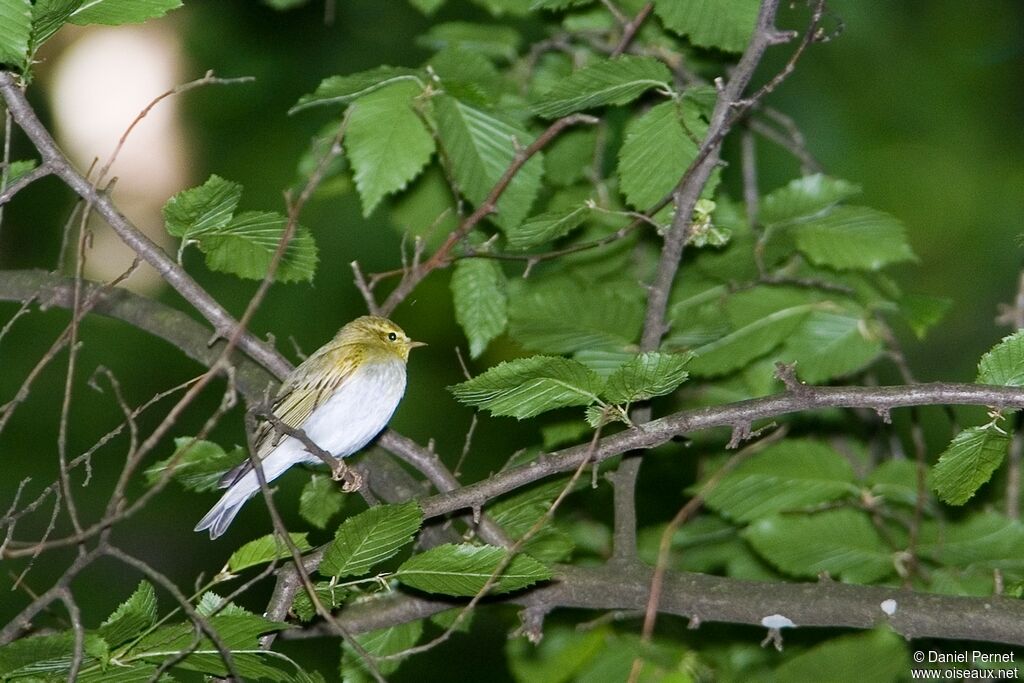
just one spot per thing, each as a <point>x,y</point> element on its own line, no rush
<point>351,481</point>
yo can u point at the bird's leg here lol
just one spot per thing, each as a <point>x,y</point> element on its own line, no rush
<point>351,481</point>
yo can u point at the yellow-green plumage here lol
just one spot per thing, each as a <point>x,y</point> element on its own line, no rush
<point>341,396</point>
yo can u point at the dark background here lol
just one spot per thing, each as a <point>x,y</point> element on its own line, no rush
<point>918,102</point>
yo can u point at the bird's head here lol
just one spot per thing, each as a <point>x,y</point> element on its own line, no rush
<point>377,337</point>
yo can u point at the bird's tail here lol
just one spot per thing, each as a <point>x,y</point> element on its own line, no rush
<point>242,485</point>
<point>222,514</point>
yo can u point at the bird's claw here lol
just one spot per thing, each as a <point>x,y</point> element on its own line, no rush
<point>351,481</point>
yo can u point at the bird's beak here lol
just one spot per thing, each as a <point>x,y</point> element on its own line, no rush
<point>414,344</point>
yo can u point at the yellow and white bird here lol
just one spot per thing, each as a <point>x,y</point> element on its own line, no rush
<point>341,397</point>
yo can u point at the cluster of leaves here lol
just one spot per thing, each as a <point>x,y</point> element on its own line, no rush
<point>134,641</point>
<point>797,509</point>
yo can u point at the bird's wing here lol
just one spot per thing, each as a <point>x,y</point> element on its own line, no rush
<point>306,389</point>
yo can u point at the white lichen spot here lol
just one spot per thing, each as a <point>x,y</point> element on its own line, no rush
<point>776,621</point>
<point>889,606</point>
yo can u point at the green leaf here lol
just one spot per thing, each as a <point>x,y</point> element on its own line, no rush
<point>562,433</point>
<point>282,5</point>
<point>563,316</point>
<point>895,481</point>
<point>559,658</point>
<point>265,549</point>
<point>242,245</point>
<point>805,197</point>
<point>238,630</point>
<point>446,620</point>
<point>829,345</point>
<point>386,142</point>
<point>1004,364</point>
<point>711,23</point>
<point>549,545</point>
<point>789,475</point>
<point>386,641</point>
<point>972,457</point>
<point>468,76</point>
<point>604,362</point>
<point>490,40</point>
<point>15,29</point>
<point>841,542</point>
<point>707,544</point>
<point>334,179</point>
<point>517,513</point>
<point>570,157</point>
<point>985,539</point>
<point>656,152</point>
<point>481,301</point>
<point>607,81</point>
<point>133,673</point>
<point>211,603</point>
<point>428,7</point>
<point>330,597</point>
<point>345,89</point>
<point>740,347</point>
<point>132,616</point>
<point>16,169</point>
<point>199,464</point>
<point>200,210</point>
<point>117,12</point>
<point>47,658</point>
<point>464,569</point>
<point>480,148</point>
<point>246,245</point>
<point>853,238</point>
<point>515,8</point>
<point>546,227</point>
<point>371,537</point>
<point>48,16</point>
<point>558,4</point>
<point>320,500</point>
<point>878,655</point>
<point>425,210</point>
<point>526,387</point>
<point>251,665</point>
<point>646,376</point>
<point>922,312</point>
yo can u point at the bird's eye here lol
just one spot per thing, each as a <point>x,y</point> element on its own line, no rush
<point>392,336</point>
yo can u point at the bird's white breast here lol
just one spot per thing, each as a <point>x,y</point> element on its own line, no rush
<point>358,410</point>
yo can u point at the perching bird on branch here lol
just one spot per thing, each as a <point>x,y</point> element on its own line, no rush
<point>341,397</point>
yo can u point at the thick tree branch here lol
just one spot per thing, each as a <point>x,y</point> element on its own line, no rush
<point>739,414</point>
<point>160,320</point>
<point>185,333</point>
<point>704,598</point>
<point>696,177</point>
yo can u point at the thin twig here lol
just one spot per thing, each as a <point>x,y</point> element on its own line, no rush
<point>665,544</point>
<point>513,550</point>
<point>442,256</point>
<point>172,273</point>
<point>21,183</point>
<point>282,534</point>
<point>630,28</point>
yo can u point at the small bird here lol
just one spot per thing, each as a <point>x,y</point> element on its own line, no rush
<point>341,397</point>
